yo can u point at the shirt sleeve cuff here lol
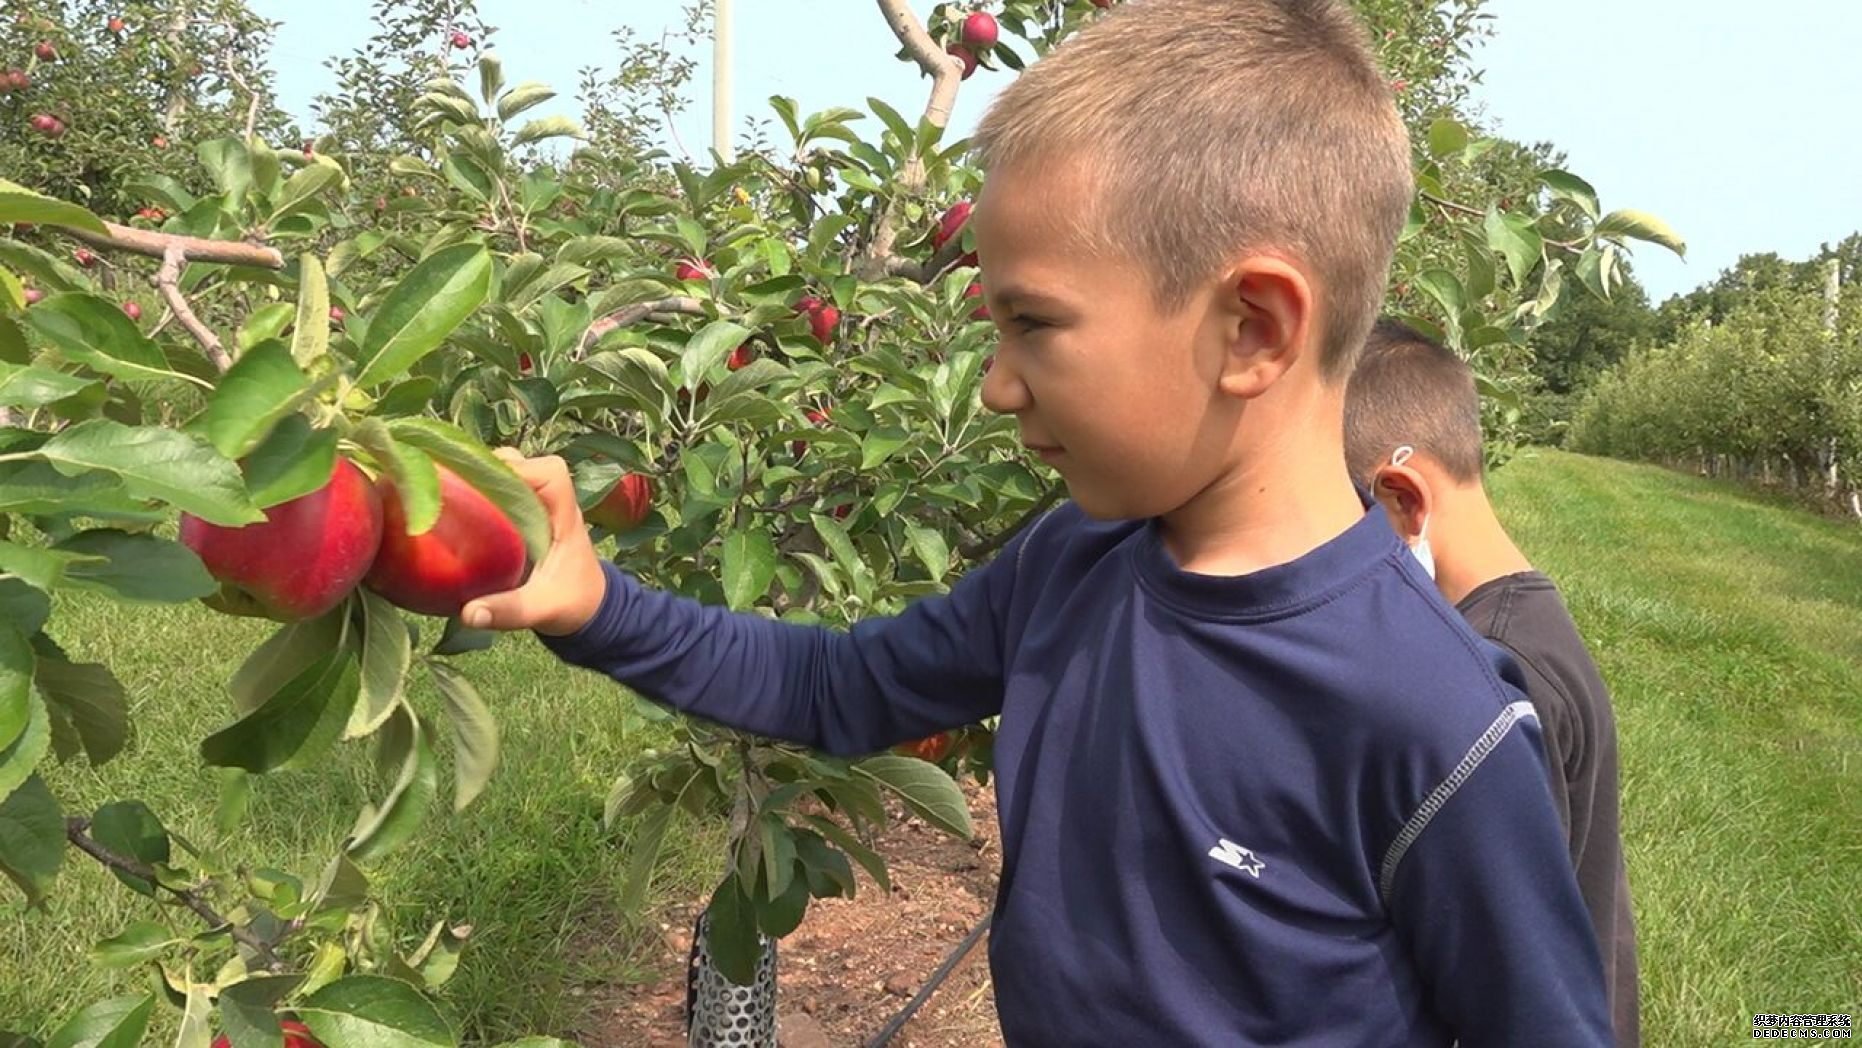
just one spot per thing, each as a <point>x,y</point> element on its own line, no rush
<point>597,637</point>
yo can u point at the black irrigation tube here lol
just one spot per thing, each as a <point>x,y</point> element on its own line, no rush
<point>891,1029</point>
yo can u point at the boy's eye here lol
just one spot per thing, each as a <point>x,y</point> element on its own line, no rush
<point>1025,322</point>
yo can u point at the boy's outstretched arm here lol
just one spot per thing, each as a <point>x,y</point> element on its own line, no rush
<point>1480,887</point>
<point>938,665</point>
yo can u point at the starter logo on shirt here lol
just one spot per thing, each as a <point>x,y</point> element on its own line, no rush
<point>1240,858</point>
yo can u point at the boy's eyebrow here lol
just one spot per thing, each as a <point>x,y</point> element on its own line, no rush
<point>1016,298</point>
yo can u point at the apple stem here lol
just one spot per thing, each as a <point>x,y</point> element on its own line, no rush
<point>75,833</point>
<point>168,278</point>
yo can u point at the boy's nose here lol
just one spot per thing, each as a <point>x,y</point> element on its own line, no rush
<point>1003,390</point>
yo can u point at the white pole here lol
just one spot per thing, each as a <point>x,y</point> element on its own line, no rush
<point>721,82</point>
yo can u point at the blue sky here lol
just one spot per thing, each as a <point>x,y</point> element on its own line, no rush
<point>1735,122</point>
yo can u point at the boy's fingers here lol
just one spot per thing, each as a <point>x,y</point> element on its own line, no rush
<point>509,610</point>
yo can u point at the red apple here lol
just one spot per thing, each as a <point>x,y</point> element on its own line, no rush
<point>132,310</point>
<point>950,227</point>
<point>524,363</point>
<point>740,357</point>
<point>931,748</point>
<point>980,31</point>
<point>84,257</point>
<point>626,505</point>
<point>337,314</point>
<point>44,123</point>
<point>159,142</point>
<point>819,418</point>
<point>33,295</point>
<point>841,511</point>
<point>473,549</point>
<point>45,51</point>
<point>306,556</point>
<point>459,39</point>
<point>981,312</point>
<point>116,25</point>
<point>692,269</point>
<point>966,56</point>
<point>296,1035</point>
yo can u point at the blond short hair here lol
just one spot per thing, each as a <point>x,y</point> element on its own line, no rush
<point>1216,127</point>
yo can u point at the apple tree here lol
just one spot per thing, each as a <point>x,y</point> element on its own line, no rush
<point>765,375</point>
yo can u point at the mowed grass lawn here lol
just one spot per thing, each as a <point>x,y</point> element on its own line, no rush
<point>1729,627</point>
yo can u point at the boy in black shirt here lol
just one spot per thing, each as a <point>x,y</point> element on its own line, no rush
<point>1413,436</point>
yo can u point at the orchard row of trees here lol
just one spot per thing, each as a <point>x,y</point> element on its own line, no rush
<point>1761,380</point>
<point>764,374</point>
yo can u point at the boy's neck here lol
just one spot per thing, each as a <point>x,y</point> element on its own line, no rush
<point>1287,494</point>
<point>1471,547</point>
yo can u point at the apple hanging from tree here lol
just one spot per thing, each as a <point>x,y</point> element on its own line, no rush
<point>306,556</point>
<point>951,226</point>
<point>819,418</point>
<point>471,550</point>
<point>964,55</point>
<point>132,311</point>
<point>692,269</point>
<point>296,1035</point>
<point>459,39</point>
<point>625,505</point>
<point>981,312</point>
<point>932,748</point>
<point>823,317</point>
<point>740,357</point>
<point>980,31</point>
<point>45,51</point>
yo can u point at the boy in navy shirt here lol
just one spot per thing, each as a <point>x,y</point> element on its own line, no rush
<point>1257,783</point>
<point>1413,437</point>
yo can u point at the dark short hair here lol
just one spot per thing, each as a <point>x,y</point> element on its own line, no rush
<point>1408,388</point>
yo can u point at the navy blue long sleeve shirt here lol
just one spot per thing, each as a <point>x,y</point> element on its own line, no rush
<point>1304,806</point>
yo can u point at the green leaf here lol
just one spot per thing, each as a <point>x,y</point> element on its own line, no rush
<point>475,734</point>
<point>1515,239</point>
<point>373,1011</point>
<point>16,664</point>
<point>1445,288</point>
<point>263,324</point>
<point>229,811</point>
<point>141,941</point>
<point>34,387</point>
<point>1445,137</point>
<point>643,847</point>
<point>522,97</point>
<point>44,568</point>
<point>709,346</point>
<point>295,726</point>
<point>846,557</point>
<point>879,445</point>
<point>249,1010</point>
<point>779,916</point>
<point>401,812</point>
<point>136,567</point>
<point>231,167</point>
<point>196,1030</point>
<point>387,652</point>
<point>428,303</point>
<point>304,185</point>
<point>932,549</point>
<point>130,829</point>
<point>826,868</point>
<point>749,566</point>
<point>95,332</point>
<point>32,838</point>
<point>154,462</point>
<point>924,788</point>
<point>415,479</point>
<point>456,638</point>
<point>868,859</point>
<point>468,177</point>
<point>116,1023</point>
<point>286,654</point>
<point>731,933</point>
<point>19,757</point>
<point>292,461</point>
<point>490,76</point>
<point>255,394</point>
<point>312,336</point>
<point>778,846</point>
<point>537,1042</point>
<point>491,475</point>
<point>88,694</point>
<point>1566,186</point>
<point>22,607</point>
<point>19,204</point>
<point>546,127</point>
<point>1637,225</point>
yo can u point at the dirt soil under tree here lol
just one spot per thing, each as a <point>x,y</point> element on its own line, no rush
<point>854,963</point>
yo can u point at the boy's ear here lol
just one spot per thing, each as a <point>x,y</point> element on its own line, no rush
<point>1267,313</point>
<point>1405,495</point>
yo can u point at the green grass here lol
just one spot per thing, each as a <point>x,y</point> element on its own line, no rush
<point>526,866</point>
<point>1729,628</point>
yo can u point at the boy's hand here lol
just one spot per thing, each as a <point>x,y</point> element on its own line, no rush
<point>565,589</point>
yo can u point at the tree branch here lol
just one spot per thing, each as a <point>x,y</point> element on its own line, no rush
<point>168,279</point>
<point>75,833</point>
<point>946,72</point>
<point>194,249</point>
<point>978,550</point>
<point>620,318</point>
